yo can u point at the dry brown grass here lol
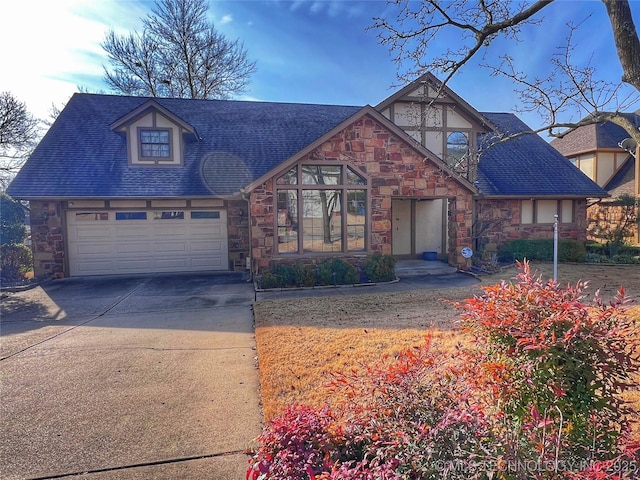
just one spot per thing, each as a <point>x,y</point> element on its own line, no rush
<point>300,341</point>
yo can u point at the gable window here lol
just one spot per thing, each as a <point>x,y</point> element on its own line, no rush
<point>321,209</point>
<point>155,143</point>
<point>457,149</point>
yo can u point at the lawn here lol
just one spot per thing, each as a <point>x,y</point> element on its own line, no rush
<point>301,341</point>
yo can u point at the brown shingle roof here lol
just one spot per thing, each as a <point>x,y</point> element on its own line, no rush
<point>597,136</point>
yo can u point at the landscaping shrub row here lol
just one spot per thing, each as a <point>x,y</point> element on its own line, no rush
<point>375,268</point>
<point>599,253</point>
<point>542,249</point>
<point>568,251</point>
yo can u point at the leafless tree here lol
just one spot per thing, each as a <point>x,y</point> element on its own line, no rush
<point>179,53</point>
<point>19,131</point>
<point>569,87</point>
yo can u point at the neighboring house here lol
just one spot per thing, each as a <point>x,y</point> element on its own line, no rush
<point>606,154</point>
<point>127,184</point>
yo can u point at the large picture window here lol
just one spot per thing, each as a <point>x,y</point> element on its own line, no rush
<point>321,209</point>
<point>287,221</point>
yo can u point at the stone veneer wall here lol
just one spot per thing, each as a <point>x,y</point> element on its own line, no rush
<point>498,221</point>
<point>395,170</point>
<point>47,240</point>
<point>606,216</point>
<point>238,231</point>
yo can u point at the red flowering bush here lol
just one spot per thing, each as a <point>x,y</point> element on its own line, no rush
<point>537,396</point>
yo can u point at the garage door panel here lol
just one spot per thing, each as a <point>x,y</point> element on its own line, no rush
<point>171,231</point>
<point>92,231</point>
<point>98,249</point>
<point>215,247</point>
<point>170,247</point>
<point>140,231</point>
<point>207,263</point>
<point>123,248</point>
<point>143,242</point>
<point>133,265</point>
<point>172,264</point>
<point>204,230</point>
<point>100,267</point>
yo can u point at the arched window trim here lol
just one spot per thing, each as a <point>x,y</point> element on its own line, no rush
<point>448,156</point>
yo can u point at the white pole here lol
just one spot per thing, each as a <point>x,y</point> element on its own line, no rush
<point>555,248</point>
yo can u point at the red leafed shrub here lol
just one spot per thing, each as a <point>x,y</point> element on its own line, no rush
<point>537,396</point>
<point>406,417</point>
<point>414,410</point>
<point>297,444</point>
<point>554,365</point>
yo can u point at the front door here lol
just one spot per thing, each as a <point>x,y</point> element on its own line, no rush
<point>402,227</point>
<point>419,225</point>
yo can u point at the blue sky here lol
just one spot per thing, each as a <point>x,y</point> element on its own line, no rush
<point>309,51</point>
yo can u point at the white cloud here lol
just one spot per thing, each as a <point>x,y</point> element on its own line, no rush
<point>53,44</point>
<point>56,47</point>
<point>226,19</point>
<point>316,7</point>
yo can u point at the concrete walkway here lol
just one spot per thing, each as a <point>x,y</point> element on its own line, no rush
<point>149,377</point>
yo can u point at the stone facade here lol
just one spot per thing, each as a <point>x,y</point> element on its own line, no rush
<point>47,239</point>
<point>238,231</point>
<point>608,216</point>
<point>395,170</point>
<point>498,221</point>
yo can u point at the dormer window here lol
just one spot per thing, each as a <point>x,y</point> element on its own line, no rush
<point>155,144</point>
<point>154,135</point>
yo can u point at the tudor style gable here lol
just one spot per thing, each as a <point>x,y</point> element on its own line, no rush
<point>343,194</point>
<point>154,135</point>
<point>438,119</point>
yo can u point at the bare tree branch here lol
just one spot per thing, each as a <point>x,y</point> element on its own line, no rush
<point>178,54</point>
<point>479,26</point>
<point>568,90</point>
<point>19,131</point>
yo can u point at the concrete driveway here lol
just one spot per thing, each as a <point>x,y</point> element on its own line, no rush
<point>148,377</point>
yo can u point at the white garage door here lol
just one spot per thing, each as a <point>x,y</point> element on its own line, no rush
<point>146,241</point>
